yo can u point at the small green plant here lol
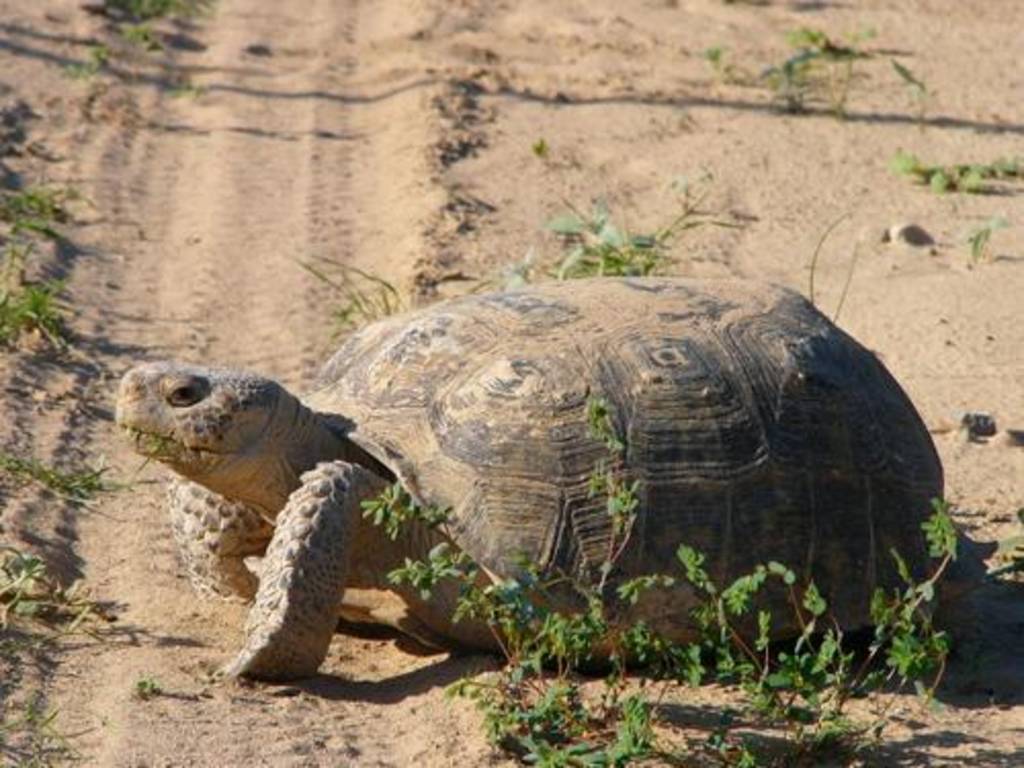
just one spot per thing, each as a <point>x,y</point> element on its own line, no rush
<point>13,263</point>
<point>140,36</point>
<point>978,240</point>
<point>36,209</point>
<point>540,148</point>
<point>30,308</point>
<point>77,486</point>
<point>146,688</point>
<point>806,688</point>
<point>919,93</point>
<point>184,88</point>
<point>725,70</point>
<point>99,57</point>
<point>595,246</point>
<point>790,81</point>
<point>820,64</point>
<point>39,742</point>
<point>965,177</point>
<point>365,297</point>
<point>29,594</point>
<point>394,508</point>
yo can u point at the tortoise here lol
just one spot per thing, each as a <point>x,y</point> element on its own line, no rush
<point>756,429</point>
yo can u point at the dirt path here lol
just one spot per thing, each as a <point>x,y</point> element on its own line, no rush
<point>396,137</point>
<point>205,210</point>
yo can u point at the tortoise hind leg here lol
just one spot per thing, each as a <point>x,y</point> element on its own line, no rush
<point>303,576</point>
<point>214,536</point>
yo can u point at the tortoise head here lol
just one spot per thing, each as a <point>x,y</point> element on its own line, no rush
<point>230,431</point>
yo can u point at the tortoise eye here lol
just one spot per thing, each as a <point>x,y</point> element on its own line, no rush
<point>187,392</point>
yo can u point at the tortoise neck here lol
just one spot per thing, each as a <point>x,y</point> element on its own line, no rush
<point>301,439</point>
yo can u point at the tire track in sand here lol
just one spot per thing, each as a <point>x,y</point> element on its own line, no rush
<point>209,206</point>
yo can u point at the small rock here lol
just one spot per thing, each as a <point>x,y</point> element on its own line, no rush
<point>911,234</point>
<point>259,49</point>
<point>978,425</point>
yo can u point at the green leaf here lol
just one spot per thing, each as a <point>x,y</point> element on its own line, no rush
<point>908,76</point>
<point>940,532</point>
<point>940,182</point>
<point>1011,545</point>
<point>610,235</point>
<point>778,569</point>
<point>779,680</point>
<point>901,566</point>
<point>764,627</point>
<point>813,601</point>
<point>904,163</point>
<point>27,607</point>
<point>567,224</point>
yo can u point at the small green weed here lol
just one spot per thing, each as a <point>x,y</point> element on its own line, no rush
<point>30,308</point>
<point>99,57</point>
<point>36,209</point>
<point>918,91</point>
<point>395,507</point>
<point>27,307</point>
<point>147,688</point>
<point>540,148</point>
<point>184,88</point>
<point>820,65</point>
<point>77,487</point>
<point>725,70</point>
<point>140,36</point>
<point>365,296</point>
<point>28,593</point>
<point>967,177</point>
<point>978,240</point>
<point>595,246</point>
<point>13,263</point>
<point>39,742</point>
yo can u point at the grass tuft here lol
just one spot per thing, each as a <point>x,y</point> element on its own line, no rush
<point>365,297</point>
<point>146,688</point>
<point>33,308</point>
<point>36,209</point>
<point>29,593</point>
<point>595,246</point>
<point>821,65</point>
<point>77,487</point>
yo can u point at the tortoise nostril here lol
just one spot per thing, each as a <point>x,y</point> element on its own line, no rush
<point>184,393</point>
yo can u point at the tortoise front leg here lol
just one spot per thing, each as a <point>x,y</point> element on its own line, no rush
<point>303,574</point>
<point>214,536</point>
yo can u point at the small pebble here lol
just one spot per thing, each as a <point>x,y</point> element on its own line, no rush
<point>911,234</point>
<point>978,424</point>
<point>259,49</point>
<point>1015,437</point>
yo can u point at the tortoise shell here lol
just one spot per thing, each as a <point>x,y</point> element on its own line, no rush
<point>757,430</point>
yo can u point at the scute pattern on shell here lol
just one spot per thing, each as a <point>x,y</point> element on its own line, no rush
<point>758,429</point>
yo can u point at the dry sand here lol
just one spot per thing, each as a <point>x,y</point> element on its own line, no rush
<point>396,137</point>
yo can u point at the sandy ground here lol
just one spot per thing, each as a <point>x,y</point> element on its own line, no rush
<point>396,137</point>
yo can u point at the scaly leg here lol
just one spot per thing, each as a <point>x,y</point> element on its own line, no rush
<point>303,575</point>
<point>214,536</point>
